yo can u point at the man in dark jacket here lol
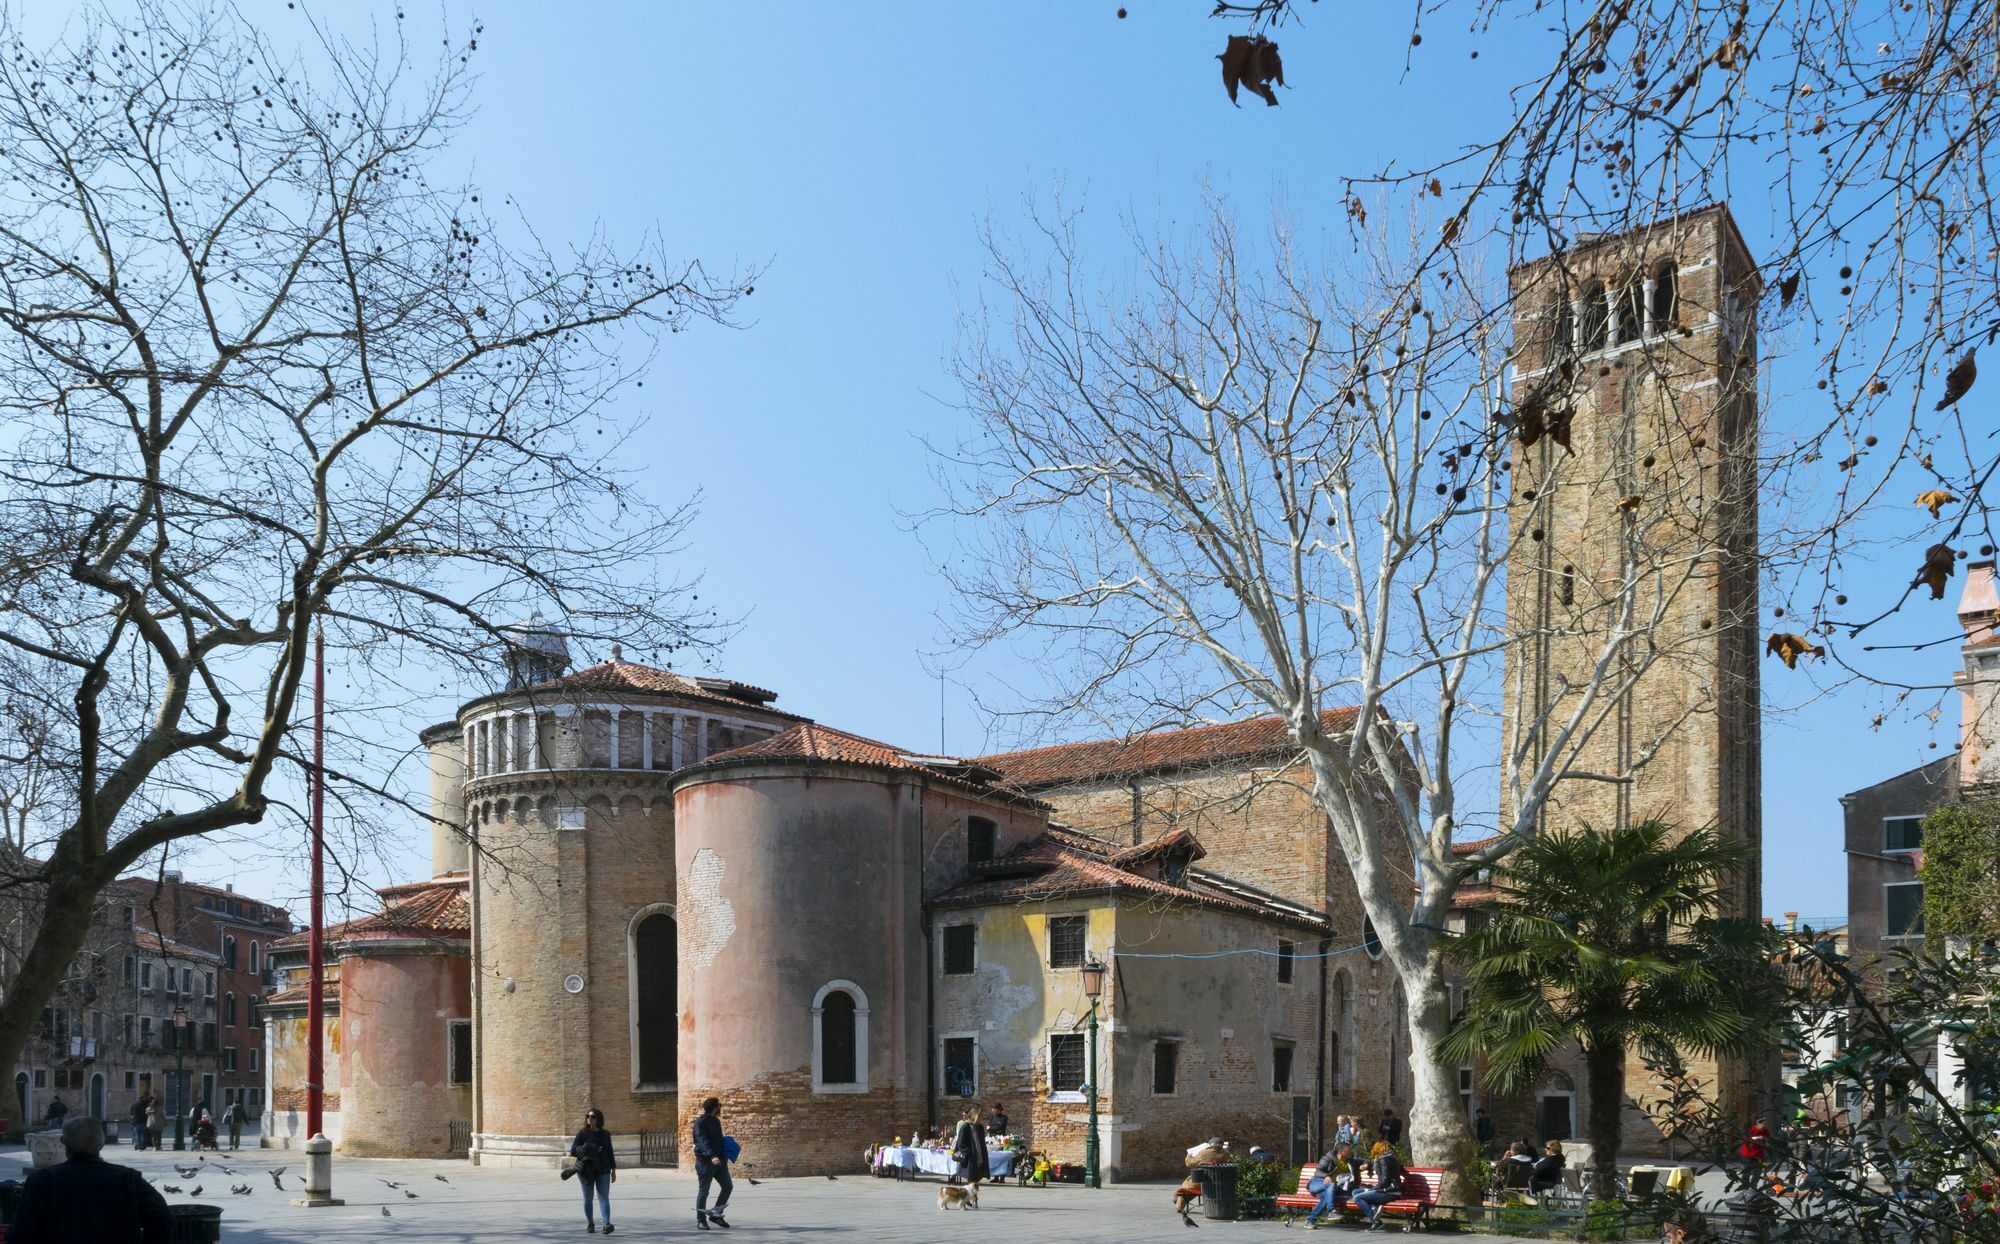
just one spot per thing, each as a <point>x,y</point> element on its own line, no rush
<point>711,1165</point>
<point>1391,1127</point>
<point>87,1198</point>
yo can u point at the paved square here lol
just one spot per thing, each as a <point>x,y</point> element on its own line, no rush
<point>475,1205</point>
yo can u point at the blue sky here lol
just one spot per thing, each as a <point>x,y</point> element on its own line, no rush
<point>856,149</point>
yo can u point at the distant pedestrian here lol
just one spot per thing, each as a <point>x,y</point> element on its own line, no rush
<point>57,1112</point>
<point>1345,1131</point>
<point>1754,1144</point>
<point>139,1121</point>
<point>968,1151</point>
<point>997,1124</point>
<point>156,1121</point>
<point>596,1168</point>
<point>233,1115</point>
<point>1390,1129</point>
<point>711,1165</point>
<point>1483,1130</point>
<point>87,1198</point>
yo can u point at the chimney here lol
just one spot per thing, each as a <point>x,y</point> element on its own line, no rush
<point>173,876</point>
<point>229,887</point>
<point>1791,922</point>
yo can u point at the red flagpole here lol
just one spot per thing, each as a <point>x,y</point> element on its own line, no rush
<point>315,954</point>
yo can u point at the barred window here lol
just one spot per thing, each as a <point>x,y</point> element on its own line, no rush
<point>1066,941</point>
<point>1066,1062</point>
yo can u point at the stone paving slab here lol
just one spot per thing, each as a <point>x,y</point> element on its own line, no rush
<point>475,1205</point>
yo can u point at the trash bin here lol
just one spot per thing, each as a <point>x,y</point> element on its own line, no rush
<point>10,1200</point>
<point>196,1224</point>
<point>1218,1190</point>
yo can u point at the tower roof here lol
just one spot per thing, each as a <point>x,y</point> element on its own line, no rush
<point>812,743</point>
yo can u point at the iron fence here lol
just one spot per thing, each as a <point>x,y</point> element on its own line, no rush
<point>659,1148</point>
<point>459,1137</point>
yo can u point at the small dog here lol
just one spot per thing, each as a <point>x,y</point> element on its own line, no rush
<point>964,1198</point>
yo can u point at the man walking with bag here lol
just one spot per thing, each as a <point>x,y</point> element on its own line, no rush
<point>711,1165</point>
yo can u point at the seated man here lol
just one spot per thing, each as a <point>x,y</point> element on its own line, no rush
<point>1333,1181</point>
<point>87,1198</point>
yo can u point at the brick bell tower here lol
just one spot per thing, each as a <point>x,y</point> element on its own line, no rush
<point>1635,378</point>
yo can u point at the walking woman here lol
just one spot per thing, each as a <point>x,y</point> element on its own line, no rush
<point>968,1148</point>
<point>711,1165</point>
<point>596,1168</point>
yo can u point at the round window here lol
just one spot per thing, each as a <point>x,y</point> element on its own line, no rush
<point>1370,940</point>
<point>573,983</point>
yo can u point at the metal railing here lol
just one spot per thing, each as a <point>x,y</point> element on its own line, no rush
<point>458,1136</point>
<point>659,1148</point>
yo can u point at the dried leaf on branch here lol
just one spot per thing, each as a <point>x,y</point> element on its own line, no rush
<point>1788,648</point>
<point>1940,563</point>
<point>1958,381</point>
<point>1252,61</point>
<point>1935,500</point>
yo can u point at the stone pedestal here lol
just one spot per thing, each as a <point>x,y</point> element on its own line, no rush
<point>319,1174</point>
<point>45,1149</point>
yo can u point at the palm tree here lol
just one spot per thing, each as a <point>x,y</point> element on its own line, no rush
<point>1612,939</point>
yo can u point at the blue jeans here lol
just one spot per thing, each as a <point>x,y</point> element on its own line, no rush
<point>1328,1193</point>
<point>1370,1202</point>
<point>707,1172</point>
<point>601,1184</point>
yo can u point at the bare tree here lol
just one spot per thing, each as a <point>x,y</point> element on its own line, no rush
<point>1247,482</point>
<point>262,376</point>
<point>1867,126</point>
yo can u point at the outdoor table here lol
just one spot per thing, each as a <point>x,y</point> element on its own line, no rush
<point>1000,1162</point>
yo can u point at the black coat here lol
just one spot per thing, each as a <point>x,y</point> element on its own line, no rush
<point>90,1199</point>
<point>708,1137</point>
<point>968,1144</point>
<point>602,1160</point>
<point>1389,1174</point>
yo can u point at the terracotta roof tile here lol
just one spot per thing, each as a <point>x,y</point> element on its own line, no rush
<point>1175,839</point>
<point>1059,865</point>
<point>811,741</point>
<point>414,909</point>
<point>1106,759</point>
<point>624,676</point>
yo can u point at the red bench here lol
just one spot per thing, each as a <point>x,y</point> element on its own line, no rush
<point>1420,1193</point>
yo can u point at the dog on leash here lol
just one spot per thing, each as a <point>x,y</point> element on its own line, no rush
<point>964,1198</point>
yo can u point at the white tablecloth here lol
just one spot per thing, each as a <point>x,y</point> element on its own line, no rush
<point>1000,1162</point>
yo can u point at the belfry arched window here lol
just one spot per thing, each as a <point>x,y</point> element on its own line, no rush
<point>656,1020</point>
<point>840,1038</point>
<point>1593,314</point>
<point>1665,307</point>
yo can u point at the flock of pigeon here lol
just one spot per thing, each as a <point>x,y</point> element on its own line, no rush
<point>277,1174</point>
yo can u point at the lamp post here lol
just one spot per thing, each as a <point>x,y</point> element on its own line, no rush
<point>1093,988</point>
<point>180,1079</point>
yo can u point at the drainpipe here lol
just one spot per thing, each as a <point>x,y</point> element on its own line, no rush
<point>1319,1062</point>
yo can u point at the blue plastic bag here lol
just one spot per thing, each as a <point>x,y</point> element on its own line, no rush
<point>730,1149</point>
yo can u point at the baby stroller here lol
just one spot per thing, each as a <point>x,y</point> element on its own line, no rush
<point>204,1133</point>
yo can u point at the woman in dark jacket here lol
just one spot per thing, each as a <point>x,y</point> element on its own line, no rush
<point>1388,1184</point>
<point>968,1147</point>
<point>596,1167</point>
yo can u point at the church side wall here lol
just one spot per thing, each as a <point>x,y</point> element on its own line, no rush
<point>396,1006</point>
<point>792,885</point>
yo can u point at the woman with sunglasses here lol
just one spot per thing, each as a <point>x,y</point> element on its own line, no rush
<point>596,1168</point>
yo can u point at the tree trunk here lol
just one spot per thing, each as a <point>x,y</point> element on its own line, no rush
<point>1604,1076</point>
<point>1439,1133</point>
<point>60,925</point>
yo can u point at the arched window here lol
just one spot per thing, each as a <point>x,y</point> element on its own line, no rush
<point>840,1039</point>
<point>256,958</point>
<point>229,1009</point>
<point>1631,310</point>
<point>656,1018</point>
<point>978,840</point>
<point>1666,303</point>
<point>1593,315</point>
<point>229,953</point>
<point>1340,1042</point>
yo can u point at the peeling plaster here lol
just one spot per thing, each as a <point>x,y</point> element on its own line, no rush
<point>707,919</point>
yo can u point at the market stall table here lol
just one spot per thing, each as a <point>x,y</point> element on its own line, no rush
<point>920,1161</point>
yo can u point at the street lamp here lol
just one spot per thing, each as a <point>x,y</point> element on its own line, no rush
<point>180,1078</point>
<point>1093,988</point>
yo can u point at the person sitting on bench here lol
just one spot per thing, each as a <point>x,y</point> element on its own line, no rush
<point>1333,1181</point>
<point>1388,1184</point>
